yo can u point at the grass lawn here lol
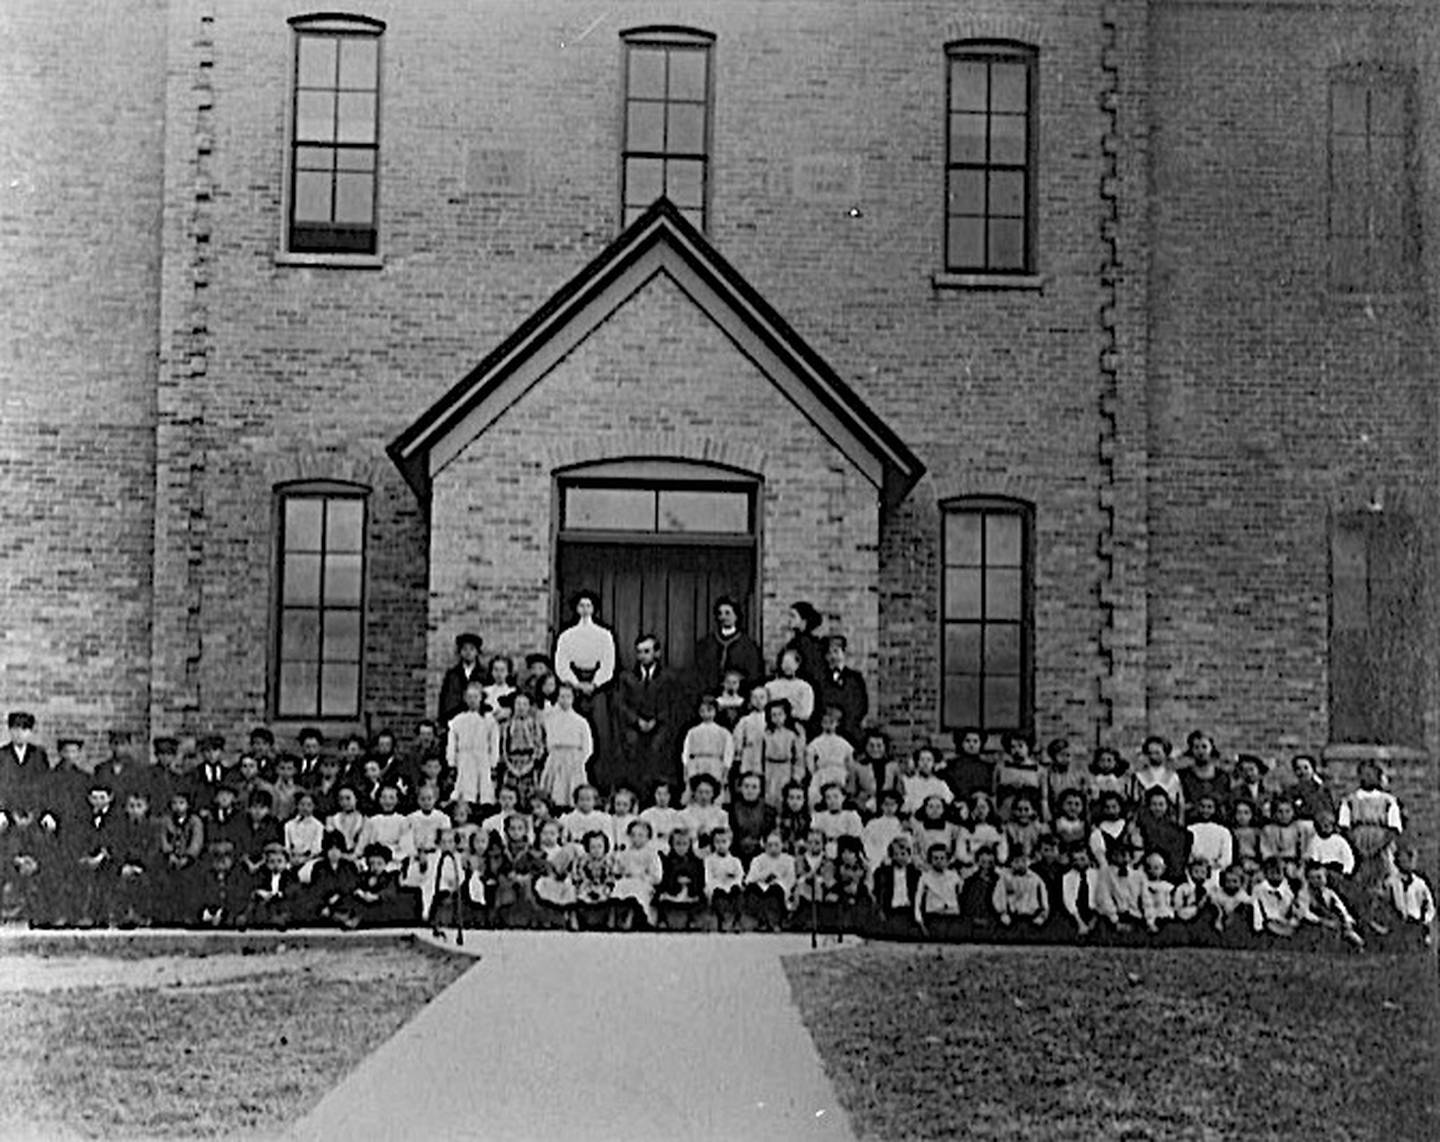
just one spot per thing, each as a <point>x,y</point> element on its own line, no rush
<point>195,1046</point>
<point>1076,1044</point>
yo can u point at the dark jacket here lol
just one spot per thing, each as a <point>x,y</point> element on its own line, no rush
<point>751,824</point>
<point>20,783</point>
<point>654,700</point>
<point>850,694</point>
<point>682,876</point>
<point>811,649</point>
<point>885,889</point>
<point>452,691</point>
<point>714,656</point>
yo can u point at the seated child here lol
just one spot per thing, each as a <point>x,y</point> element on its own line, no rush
<point>332,879</point>
<point>388,827</point>
<point>1326,846</point>
<point>848,893</point>
<point>751,818</point>
<point>978,918</point>
<point>512,866</point>
<point>662,816</point>
<point>938,911</point>
<point>586,818</point>
<point>425,824</point>
<point>553,887</point>
<point>1117,892</point>
<point>814,871</point>
<point>680,895</point>
<point>1233,905</point>
<point>1321,915</point>
<point>134,859</point>
<point>623,805</point>
<point>1412,904</point>
<point>702,816</point>
<point>1021,901</point>
<point>1160,832</point>
<point>593,876</point>
<point>1111,826</point>
<point>1210,841</point>
<point>304,835</point>
<point>897,884</point>
<point>1157,898</point>
<point>980,830</point>
<point>221,893</point>
<point>1077,894</point>
<point>1246,835</point>
<point>1190,900</point>
<point>1069,825</point>
<point>273,892</point>
<point>880,832</point>
<point>1308,794</point>
<point>836,821</point>
<point>450,883</point>
<point>507,799</point>
<point>794,818</point>
<point>182,841</point>
<point>374,900</point>
<point>1274,914</point>
<point>769,884</point>
<point>259,831</point>
<point>349,822</point>
<point>1285,837</point>
<point>724,882</point>
<point>1050,866</point>
<point>1024,829</point>
<point>637,875</point>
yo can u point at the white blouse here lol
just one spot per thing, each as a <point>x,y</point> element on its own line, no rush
<point>585,644</point>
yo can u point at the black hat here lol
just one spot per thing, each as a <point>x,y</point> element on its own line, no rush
<point>166,745</point>
<point>1259,761</point>
<point>472,639</point>
<point>20,720</point>
<point>808,615</point>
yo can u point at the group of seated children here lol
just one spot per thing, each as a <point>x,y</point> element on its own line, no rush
<point>976,846</point>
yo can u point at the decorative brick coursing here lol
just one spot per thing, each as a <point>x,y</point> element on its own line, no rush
<point>656,379</point>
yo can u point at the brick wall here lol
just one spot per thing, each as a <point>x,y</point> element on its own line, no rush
<point>80,177</point>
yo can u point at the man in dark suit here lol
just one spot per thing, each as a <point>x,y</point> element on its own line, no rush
<point>843,688</point>
<point>647,698</point>
<point>23,766</point>
<point>452,687</point>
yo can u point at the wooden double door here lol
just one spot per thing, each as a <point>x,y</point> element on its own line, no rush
<point>666,589</point>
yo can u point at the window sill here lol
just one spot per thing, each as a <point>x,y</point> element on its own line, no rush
<point>948,280</point>
<point>331,261</point>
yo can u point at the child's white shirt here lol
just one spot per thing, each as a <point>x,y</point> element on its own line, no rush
<point>723,872</point>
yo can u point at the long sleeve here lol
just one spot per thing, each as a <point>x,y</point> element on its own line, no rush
<point>607,658</point>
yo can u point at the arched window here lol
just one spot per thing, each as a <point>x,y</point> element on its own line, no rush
<point>987,615</point>
<point>319,601</point>
<point>666,149</point>
<point>334,157</point>
<point>990,157</point>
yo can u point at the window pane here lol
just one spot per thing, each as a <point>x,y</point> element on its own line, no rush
<point>962,539</point>
<point>355,198</point>
<point>1002,702</point>
<point>962,594</point>
<point>317,62</point>
<point>355,159</point>
<point>346,525</point>
<point>967,192</point>
<point>962,648</point>
<point>685,182</point>
<point>342,580</point>
<point>1387,109</point>
<point>298,682</point>
<point>967,85</point>
<point>356,110</point>
<point>1002,539</point>
<point>302,580</point>
<point>312,196</point>
<point>315,158</point>
<point>1002,648</point>
<point>342,636</point>
<point>686,129</point>
<point>359,58</point>
<point>1007,140</point>
<point>1002,594</point>
<point>1347,108</point>
<point>1007,244</point>
<point>647,73</point>
<point>315,116</point>
<point>339,690</point>
<point>1007,193</point>
<point>687,73</point>
<point>644,181</point>
<point>966,246</point>
<point>1008,87</point>
<point>610,509</point>
<point>645,127</point>
<point>302,523</point>
<point>967,138</point>
<point>962,701</point>
<point>299,635</point>
<point>705,511</point>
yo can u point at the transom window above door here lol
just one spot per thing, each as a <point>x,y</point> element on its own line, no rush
<point>712,510</point>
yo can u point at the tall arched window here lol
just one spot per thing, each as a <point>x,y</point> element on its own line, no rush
<point>987,615</point>
<point>319,601</point>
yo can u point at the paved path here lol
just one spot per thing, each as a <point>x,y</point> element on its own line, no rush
<point>565,1037</point>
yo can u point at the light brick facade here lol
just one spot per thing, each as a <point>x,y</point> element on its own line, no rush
<point>1181,396</point>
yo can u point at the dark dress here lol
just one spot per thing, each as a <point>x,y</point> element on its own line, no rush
<point>811,649</point>
<point>714,655</point>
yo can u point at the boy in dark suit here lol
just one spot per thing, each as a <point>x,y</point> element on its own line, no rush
<point>92,859</point>
<point>221,894</point>
<point>273,890</point>
<point>138,864</point>
<point>259,831</point>
<point>844,688</point>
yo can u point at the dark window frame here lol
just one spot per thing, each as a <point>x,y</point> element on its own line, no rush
<point>669,39</point>
<point>1373,275</point>
<point>323,491</point>
<point>1024,512</point>
<point>332,238</point>
<point>992,52</point>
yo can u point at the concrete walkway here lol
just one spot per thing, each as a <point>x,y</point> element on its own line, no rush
<point>566,1037</point>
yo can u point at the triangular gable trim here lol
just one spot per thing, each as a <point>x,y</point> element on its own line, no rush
<point>660,241</point>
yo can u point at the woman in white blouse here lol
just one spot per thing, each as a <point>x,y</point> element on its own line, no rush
<point>585,658</point>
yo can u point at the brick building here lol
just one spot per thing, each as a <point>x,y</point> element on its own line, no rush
<point>1075,360</point>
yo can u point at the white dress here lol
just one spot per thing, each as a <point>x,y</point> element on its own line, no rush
<point>639,872</point>
<point>570,743</point>
<point>472,750</point>
<point>589,646</point>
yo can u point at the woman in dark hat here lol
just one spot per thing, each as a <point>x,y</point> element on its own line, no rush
<point>585,658</point>
<point>452,689</point>
<point>727,647</point>
<point>805,620</point>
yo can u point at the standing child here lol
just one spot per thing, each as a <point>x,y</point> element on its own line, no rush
<point>273,893</point>
<point>794,689</point>
<point>724,882</point>
<point>829,759</point>
<point>730,703</point>
<point>570,744</point>
<point>880,832</point>
<point>304,835</point>
<point>708,747</point>
<point>522,746</point>
<point>980,830</point>
<point>1370,819</point>
<point>1411,922</point>
<point>897,884</point>
<point>783,752</point>
<point>751,819</point>
<point>472,749</point>
<point>770,883</point>
<point>749,736</point>
<point>586,818</point>
<point>182,841</point>
<point>836,821</point>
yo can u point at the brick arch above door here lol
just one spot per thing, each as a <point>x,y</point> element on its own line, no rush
<point>697,447</point>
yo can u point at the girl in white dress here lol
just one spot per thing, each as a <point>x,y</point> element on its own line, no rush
<point>585,818</point>
<point>472,750</point>
<point>637,872</point>
<point>571,743</point>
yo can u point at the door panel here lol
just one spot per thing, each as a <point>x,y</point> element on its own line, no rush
<point>665,590</point>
